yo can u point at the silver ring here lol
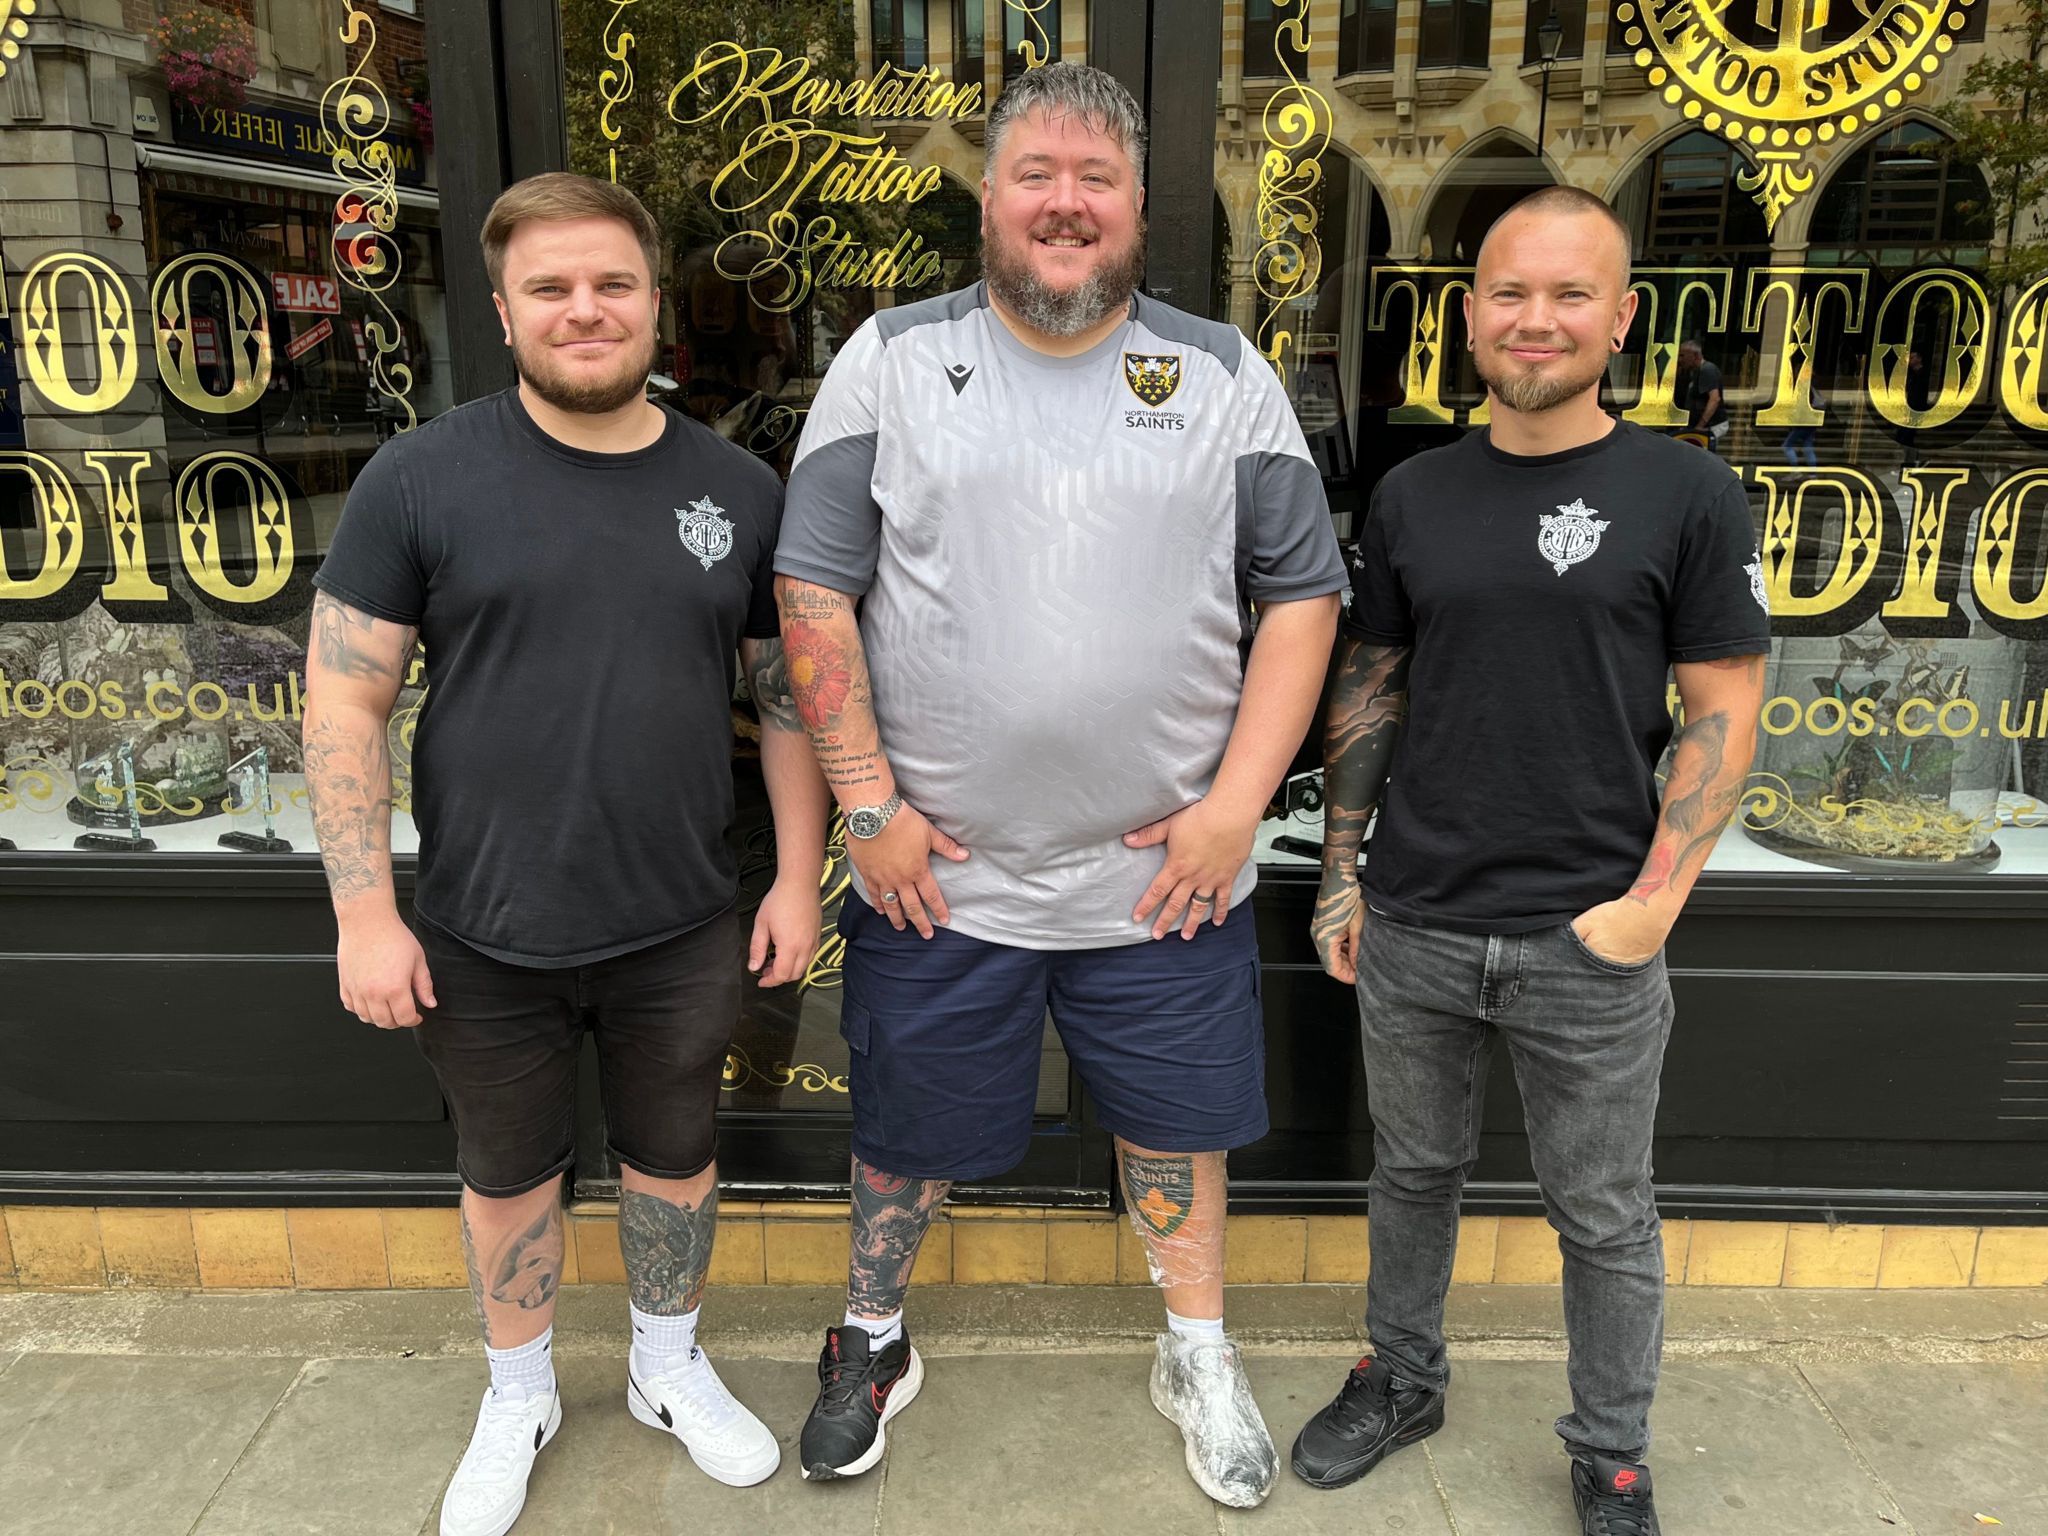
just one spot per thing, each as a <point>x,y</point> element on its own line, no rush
<point>888,898</point>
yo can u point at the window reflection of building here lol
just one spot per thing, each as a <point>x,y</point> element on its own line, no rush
<point>1365,36</point>
<point>1571,20</point>
<point>1903,191</point>
<point>1264,46</point>
<point>1455,34</point>
<point>902,33</point>
<point>970,43</point>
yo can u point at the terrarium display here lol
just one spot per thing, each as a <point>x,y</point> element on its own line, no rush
<point>1883,755</point>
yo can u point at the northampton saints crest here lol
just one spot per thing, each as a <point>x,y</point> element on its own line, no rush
<point>704,533</point>
<point>1571,536</point>
<point>1782,77</point>
<point>1153,378</point>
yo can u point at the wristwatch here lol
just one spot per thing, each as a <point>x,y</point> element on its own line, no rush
<point>866,821</point>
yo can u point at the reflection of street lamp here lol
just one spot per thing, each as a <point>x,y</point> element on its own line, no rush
<point>1549,38</point>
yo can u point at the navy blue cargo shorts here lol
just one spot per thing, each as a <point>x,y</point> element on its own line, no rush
<point>946,1032</point>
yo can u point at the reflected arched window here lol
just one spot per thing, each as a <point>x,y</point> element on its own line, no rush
<point>1686,201</point>
<point>1901,190</point>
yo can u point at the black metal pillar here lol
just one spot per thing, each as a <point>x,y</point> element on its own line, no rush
<point>1185,66</point>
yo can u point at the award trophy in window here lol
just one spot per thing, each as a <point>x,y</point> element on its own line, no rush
<point>249,785</point>
<point>106,786</point>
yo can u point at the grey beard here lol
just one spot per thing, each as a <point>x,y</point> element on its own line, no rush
<point>1062,312</point>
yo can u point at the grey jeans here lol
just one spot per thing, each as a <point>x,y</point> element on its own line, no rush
<point>1586,1037</point>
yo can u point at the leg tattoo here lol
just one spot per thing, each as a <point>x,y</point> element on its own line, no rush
<point>667,1248</point>
<point>890,1218</point>
<point>1161,1191</point>
<point>523,1270</point>
<point>476,1279</point>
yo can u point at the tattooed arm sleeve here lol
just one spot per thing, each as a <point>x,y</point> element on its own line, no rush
<point>354,668</point>
<point>798,796</point>
<point>1367,705</point>
<point>1722,700</point>
<point>828,682</point>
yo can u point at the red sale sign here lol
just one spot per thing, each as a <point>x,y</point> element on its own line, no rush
<point>302,344</point>
<point>306,293</point>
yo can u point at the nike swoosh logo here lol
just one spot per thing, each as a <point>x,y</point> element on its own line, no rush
<point>661,1413</point>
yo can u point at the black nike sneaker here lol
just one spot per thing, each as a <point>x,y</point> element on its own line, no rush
<point>1376,1413</point>
<point>860,1389</point>
<point>1613,1498</point>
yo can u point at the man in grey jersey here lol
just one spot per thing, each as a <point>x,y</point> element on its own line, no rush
<point>1058,504</point>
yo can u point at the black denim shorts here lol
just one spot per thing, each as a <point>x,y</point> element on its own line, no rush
<point>504,1039</point>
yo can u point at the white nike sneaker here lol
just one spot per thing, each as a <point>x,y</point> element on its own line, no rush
<point>692,1404</point>
<point>489,1487</point>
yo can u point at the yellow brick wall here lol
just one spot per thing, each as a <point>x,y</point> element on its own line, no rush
<point>782,1243</point>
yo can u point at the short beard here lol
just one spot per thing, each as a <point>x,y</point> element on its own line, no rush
<point>1530,393</point>
<point>1056,311</point>
<point>596,397</point>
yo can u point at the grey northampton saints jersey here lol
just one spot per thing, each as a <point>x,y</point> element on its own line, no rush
<point>1059,555</point>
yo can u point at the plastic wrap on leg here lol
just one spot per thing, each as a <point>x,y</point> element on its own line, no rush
<point>1201,1386</point>
<point>1181,1227</point>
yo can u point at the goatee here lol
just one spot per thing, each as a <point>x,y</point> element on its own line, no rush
<point>1530,391</point>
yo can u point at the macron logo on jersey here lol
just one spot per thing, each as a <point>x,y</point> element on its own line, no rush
<point>958,374</point>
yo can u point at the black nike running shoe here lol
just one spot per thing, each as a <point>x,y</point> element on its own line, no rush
<point>1375,1414</point>
<point>1613,1498</point>
<point>860,1389</point>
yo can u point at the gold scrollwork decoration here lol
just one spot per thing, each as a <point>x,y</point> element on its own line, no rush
<point>1893,826</point>
<point>33,783</point>
<point>615,85</point>
<point>776,427</point>
<point>1296,122</point>
<point>834,882</point>
<point>1033,51</point>
<point>1777,183</point>
<point>808,1075</point>
<point>355,113</point>
<point>13,28</point>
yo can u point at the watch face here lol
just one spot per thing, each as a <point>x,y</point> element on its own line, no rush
<point>864,823</point>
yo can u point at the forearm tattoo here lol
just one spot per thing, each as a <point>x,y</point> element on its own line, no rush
<point>767,666</point>
<point>890,1218</point>
<point>667,1247</point>
<point>1701,795</point>
<point>1160,1189</point>
<point>523,1270</point>
<point>829,683</point>
<point>1367,708</point>
<point>347,755</point>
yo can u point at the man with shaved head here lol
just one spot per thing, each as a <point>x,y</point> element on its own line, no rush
<point>1518,601</point>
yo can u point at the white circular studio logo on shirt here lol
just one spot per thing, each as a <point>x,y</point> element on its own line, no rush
<point>1571,536</point>
<point>704,533</point>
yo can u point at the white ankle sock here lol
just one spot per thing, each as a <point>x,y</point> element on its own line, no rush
<point>880,1330</point>
<point>662,1344</point>
<point>1208,1328</point>
<point>526,1369</point>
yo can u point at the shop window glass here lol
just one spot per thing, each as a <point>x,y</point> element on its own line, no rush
<point>1031,29</point>
<point>1455,32</point>
<point>970,43</point>
<point>1267,51</point>
<point>900,33</point>
<point>197,358</point>
<point>1571,22</point>
<point>1365,36</point>
<point>1888,437</point>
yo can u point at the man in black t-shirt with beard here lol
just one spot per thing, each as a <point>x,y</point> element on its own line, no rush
<point>582,566</point>
<point>1518,599</point>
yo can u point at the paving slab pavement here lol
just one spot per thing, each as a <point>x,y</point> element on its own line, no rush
<point>1849,1414</point>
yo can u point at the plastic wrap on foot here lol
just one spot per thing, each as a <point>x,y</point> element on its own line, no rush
<point>1201,1386</point>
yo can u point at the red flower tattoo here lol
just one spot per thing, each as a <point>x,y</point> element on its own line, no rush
<point>819,677</point>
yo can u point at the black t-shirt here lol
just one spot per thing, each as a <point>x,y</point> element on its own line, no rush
<point>572,763</point>
<point>1545,599</point>
<point>1706,381</point>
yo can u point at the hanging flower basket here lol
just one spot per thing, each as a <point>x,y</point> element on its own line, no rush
<point>208,56</point>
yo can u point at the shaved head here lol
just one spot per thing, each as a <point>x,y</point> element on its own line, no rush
<point>1540,207</point>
